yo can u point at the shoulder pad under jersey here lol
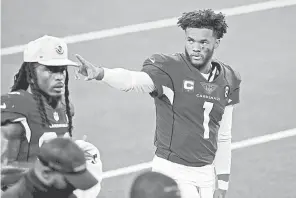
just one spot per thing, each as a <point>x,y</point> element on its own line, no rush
<point>161,60</point>
<point>17,102</point>
<point>232,76</point>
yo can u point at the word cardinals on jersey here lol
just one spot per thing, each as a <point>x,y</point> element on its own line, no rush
<point>20,107</point>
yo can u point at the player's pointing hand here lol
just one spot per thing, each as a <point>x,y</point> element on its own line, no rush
<point>88,70</point>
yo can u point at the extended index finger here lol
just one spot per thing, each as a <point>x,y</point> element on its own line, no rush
<point>82,60</point>
<point>78,65</point>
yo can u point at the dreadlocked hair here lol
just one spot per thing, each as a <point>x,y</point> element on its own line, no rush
<point>204,19</point>
<point>23,79</point>
<point>68,110</point>
<point>36,93</point>
<point>20,79</point>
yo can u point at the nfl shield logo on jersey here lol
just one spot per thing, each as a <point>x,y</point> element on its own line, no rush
<point>56,116</point>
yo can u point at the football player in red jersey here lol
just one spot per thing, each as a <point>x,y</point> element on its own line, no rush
<point>194,95</point>
<point>38,107</point>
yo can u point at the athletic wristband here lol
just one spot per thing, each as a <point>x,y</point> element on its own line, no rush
<point>101,74</point>
<point>223,185</point>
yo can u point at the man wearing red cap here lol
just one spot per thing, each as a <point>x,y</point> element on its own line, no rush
<point>60,169</point>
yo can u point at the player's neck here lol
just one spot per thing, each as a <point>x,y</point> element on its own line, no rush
<point>206,68</point>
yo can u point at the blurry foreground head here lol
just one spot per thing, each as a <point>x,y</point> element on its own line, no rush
<point>62,164</point>
<point>154,185</point>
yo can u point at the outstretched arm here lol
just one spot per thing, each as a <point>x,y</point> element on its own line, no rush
<point>119,78</point>
<point>126,80</point>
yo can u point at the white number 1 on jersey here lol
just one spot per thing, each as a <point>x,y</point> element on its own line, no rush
<point>208,106</point>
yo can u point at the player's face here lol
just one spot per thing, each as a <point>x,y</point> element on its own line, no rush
<point>200,45</point>
<point>51,79</point>
<point>60,182</point>
<point>52,179</point>
<point>56,180</point>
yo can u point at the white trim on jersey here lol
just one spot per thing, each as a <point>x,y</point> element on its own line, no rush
<point>169,93</point>
<point>25,124</point>
<point>213,74</point>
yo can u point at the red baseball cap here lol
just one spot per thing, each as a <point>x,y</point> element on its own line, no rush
<point>66,157</point>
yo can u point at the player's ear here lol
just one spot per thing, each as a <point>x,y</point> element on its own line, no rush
<point>47,176</point>
<point>44,173</point>
<point>217,43</point>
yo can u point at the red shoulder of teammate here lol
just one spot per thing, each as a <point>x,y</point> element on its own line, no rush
<point>15,105</point>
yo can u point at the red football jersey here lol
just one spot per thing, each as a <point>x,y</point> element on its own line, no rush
<point>21,107</point>
<point>189,108</point>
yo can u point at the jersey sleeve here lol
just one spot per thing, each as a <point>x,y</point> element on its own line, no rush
<point>234,95</point>
<point>232,92</point>
<point>12,108</point>
<point>155,68</point>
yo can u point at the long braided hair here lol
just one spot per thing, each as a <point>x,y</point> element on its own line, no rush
<point>27,76</point>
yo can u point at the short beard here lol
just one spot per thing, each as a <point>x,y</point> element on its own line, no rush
<point>53,101</point>
<point>204,64</point>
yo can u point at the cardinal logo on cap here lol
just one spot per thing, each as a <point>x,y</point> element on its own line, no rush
<point>59,49</point>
